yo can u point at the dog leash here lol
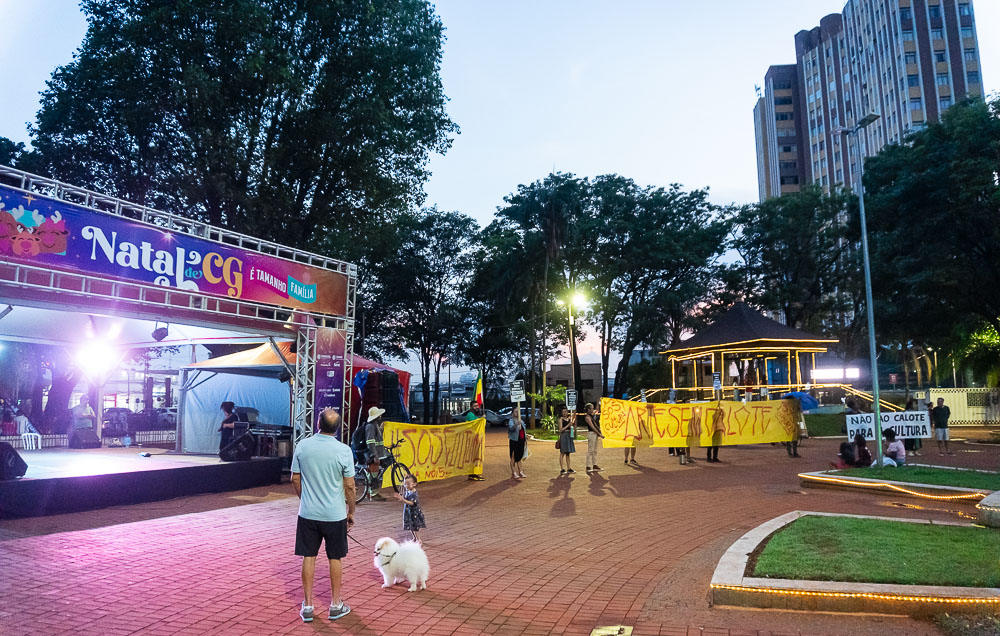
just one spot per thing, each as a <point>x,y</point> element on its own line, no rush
<point>356,541</point>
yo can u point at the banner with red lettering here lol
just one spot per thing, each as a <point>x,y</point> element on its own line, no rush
<point>625,423</point>
<point>438,452</point>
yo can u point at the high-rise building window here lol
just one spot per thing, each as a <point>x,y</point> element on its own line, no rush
<point>973,77</point>
<point>907,35</point>
<point>905,13</point>
<point>964,8</point>
<point>784,116</point>
<point>940,56</point>
<point>913,80</point>
<point>970,55</point>
<point>910,58</point>
<point>792,148</point>
<point>937,34</point>
<point>789,165</point>
<point>966,32</point>
<point>791,180</point>
<point>942,79</point>
<point>782,101</point>
<point>916,103</point>
<point>934,11</point>
<point>944,103</point>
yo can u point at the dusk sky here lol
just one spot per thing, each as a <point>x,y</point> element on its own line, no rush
<point>659,91</point>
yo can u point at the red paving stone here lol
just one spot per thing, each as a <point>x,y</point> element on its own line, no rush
<point>633,546</point>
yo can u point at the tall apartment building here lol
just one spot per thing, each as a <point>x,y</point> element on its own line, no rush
<point>905,60</point>
<point>780,155</point>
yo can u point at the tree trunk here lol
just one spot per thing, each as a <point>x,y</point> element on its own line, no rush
<point>437,390</point>
<point>425,389</point>
<point>532,343</point>
<point>605,355</point>
<point>545,315</point>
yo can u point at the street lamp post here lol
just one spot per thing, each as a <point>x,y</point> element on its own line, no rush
<point>577,300</point>
<point>853,132</point>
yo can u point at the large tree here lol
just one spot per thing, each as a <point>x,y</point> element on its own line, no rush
<point>796,255</point>
<point>279,118</point>
<point>934,218</point>
<point>426,278</point>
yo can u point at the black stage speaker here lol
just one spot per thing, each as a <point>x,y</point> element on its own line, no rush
<point>239,450</point>
<point>11,464</point>
<point>84,438</point>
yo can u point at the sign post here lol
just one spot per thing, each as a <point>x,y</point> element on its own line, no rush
<point>517,391</point>
<point>717,384</point>
<point>571,399</point>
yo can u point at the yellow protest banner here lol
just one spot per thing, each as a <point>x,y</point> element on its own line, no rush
<point>438,452</point>
<point>625,423</point>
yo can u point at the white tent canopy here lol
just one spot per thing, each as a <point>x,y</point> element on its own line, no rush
<point>250,378</point>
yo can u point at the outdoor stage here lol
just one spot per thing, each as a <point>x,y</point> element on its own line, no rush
<point>68,480</point>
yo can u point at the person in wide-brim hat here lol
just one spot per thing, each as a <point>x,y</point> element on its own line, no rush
<point>374,413</point>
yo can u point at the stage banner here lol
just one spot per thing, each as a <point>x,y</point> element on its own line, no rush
<point>39,231</point>
<point>907,424</point>
<point>330,347</point>
<point>625,423</point>
<point>438,452</point>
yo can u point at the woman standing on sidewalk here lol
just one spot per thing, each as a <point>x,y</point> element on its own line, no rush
<point>593,435</point>
<point>517,438</point>
<point>567,431</point>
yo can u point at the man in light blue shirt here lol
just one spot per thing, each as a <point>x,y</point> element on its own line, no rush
<point>323,478</point>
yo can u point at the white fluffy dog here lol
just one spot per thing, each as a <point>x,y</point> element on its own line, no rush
<point>398,562</point>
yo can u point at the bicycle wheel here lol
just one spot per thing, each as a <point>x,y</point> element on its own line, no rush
<point>361,483</point>
<point>399,472</point>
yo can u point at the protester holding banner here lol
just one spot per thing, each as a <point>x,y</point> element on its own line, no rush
<point>566,443</point>
<point>593,435</point>
<point>517,438</point>
<point>912,444</point>
<point>475,414</point>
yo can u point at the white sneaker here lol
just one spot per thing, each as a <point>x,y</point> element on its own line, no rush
<point>306,613</point>
<point>339,612</point>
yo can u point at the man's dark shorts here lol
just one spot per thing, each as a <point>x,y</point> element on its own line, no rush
<point>309,534</point>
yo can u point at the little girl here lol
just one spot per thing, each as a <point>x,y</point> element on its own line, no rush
<point>413,516</point>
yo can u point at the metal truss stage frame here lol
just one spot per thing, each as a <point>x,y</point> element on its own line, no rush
<point>47,288</point>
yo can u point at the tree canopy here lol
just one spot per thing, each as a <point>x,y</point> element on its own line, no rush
<point>278,118</point>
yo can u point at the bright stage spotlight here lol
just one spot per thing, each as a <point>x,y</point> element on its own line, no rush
<point>97,359</point>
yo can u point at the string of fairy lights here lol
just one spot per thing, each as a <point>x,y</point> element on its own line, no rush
<point>890,486</point>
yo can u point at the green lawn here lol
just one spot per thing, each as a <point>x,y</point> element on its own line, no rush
<point>933,476</point>
<point>874,551</point>
<point>825,424</point>
<point>541,433</point>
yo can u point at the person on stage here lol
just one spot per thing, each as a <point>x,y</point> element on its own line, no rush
<point>228,426</point>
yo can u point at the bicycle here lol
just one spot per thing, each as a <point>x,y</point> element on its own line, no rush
<point>368,484</point>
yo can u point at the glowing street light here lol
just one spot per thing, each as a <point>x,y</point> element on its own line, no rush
<point>579,301</point>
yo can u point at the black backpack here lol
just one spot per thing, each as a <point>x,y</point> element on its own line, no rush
<point>358,442</point>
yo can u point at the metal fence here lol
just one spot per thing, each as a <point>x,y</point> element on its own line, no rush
<point>970,407</point>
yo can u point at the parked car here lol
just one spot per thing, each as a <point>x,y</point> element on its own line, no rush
<point>525,412</point>
<point>492,417</point>
<point>116,421</point>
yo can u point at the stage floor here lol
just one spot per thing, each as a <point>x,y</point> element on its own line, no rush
<point>55,463</point>
<point>69,480</point>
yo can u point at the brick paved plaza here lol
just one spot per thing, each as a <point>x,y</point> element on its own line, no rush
<point>539,556</point>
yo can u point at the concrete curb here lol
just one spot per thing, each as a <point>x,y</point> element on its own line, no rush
<point>823,479</point>
<point>989,511</point>
<point>732,587</point>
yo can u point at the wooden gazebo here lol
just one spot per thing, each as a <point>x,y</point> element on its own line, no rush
<point>767,356</point>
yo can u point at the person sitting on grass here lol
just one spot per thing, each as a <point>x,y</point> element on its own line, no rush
<point>845,458</point>
<point>895,451</point>
<point>862,456</point>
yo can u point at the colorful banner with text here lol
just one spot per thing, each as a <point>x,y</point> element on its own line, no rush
<point>60,235</point>
<point>438,452</point>
<point>626,423</point>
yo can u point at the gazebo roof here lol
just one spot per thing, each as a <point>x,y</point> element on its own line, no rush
<point>744,328</point>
